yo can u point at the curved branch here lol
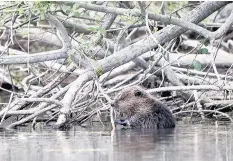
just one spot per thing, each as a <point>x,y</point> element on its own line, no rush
<point>70,95</point>
<point>33,58</point>
<point>43,56</point>
<point>129,53</point>
<point>185,88</point>
<point>107,22</point>
<point>31,116</point>
<point>48,100</point>
<point>36,111</point>
<point>206,111</point>
<point>58,79</point>
<point>163,18</point>
<point>60,30</point>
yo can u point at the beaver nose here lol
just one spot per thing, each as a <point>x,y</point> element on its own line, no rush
<point>112,103</point>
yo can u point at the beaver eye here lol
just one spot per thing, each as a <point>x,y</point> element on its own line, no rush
<point>138,94</point>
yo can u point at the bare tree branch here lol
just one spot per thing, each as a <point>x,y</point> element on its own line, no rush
<point>164,19</point>
<point>193,87</point>
<point>125,55</point>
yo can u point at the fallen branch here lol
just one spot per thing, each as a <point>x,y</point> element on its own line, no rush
<point>186,88</point>
<point>162,18</point>
<point>43,107</point>
<point>205,111</point>
<point>43,56</point>
<point>48,100</point>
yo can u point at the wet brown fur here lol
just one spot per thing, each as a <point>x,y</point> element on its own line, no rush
<point>142,110</point>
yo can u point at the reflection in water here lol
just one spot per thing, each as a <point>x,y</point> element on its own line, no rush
<point>185,142</point>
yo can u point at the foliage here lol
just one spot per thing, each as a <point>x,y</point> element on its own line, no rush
<point>99,71</point>
<point>26,25</point>
<point>174,5</point>
<point>197,65</point>
<point>203,51</point>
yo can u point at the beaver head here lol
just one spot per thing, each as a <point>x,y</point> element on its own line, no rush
<point>140,109</point>
<point>133,100</point>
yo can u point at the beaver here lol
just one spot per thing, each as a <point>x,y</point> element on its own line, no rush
<point>142,110</point>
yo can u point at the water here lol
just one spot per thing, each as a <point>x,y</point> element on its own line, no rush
<point>185,142</point>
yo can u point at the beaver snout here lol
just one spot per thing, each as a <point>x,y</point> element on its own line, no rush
<point>112,103</point>
<point>122,122</point>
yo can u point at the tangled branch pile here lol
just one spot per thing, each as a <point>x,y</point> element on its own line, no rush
<point>64,61</point>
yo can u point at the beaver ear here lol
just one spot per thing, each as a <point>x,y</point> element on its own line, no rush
<point>138,94</point>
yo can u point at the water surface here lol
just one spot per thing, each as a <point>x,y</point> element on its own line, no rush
<point>185,142</point>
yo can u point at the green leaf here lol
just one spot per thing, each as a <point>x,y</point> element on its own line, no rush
<point>42,15</point>
<point>20,10</point>
<point>203,51</point>
<point>102,30</point>
<point>11,53</point>
<point>156,29</point>
<point>197,65</point>
<point>91,28</point>
<point>76,14</point>
<point>99,71</point>
<point>75,7</point>
<point>156,11</point>
<point>1,22</point>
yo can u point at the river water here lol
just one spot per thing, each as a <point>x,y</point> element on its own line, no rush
<point>184,143</point>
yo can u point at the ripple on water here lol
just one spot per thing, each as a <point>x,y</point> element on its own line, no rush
<point>185,142</point>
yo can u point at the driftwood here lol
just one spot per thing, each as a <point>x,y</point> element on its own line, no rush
<point>99,60</point>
